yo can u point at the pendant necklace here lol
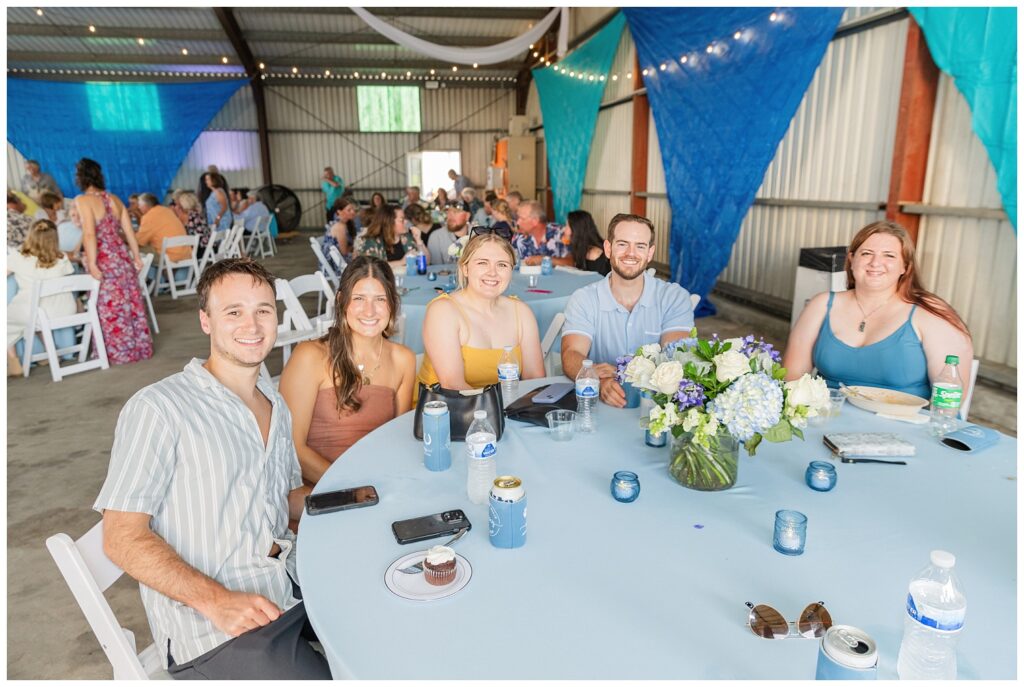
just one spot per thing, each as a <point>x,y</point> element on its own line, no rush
<point>366,377</point>
<point>864,321</point>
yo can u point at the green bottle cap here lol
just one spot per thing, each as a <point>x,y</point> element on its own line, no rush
<point>952,360</point>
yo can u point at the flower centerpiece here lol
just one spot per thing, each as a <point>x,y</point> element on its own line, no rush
<point>713,395</point>
<point>455,250</point>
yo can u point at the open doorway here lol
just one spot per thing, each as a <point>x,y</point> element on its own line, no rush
<point>428,169</point>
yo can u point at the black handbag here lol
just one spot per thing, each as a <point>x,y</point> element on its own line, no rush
<point>523,409</point>
<point>461,406</point>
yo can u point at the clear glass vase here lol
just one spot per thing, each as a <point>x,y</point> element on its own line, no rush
<point>712,468</point>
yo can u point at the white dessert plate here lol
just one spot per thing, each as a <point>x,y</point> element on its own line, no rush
<point>885,401</point>
<point>416,588</point>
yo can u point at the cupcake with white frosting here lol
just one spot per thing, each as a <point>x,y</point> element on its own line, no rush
<point>439,566</point>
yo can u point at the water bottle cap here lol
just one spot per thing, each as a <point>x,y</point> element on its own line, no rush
<point>479,414</point>
<point>508,348</point>
<point>952,360</point>
<point>943,559</point>
<point>588,363</point>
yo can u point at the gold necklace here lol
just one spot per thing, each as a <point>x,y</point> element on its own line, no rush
<point>367,377</point>
<point>865,320</point>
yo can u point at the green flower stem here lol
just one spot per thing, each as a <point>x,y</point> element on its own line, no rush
<point>708,468</point>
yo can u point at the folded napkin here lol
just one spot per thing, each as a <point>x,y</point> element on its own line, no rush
<point>916,419</point>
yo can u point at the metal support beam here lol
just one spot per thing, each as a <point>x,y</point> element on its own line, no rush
<point>227,20</point>
<point>529,13</point>
<point>641,131</point>
<point>913,130</point>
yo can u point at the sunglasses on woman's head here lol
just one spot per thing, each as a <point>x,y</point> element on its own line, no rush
<point>764,621</point>
<point>503,232</point>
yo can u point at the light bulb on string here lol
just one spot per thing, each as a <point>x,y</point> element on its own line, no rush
<point>431,72</point>
<point>683,59</point>
<point>141,41</point>
<point>184,51</point>
<point>92,28</point>
<point>644,72</point>
<point>711,48</point>
<point>39,11</point>
<point>455,68</point>
<point>773,17</point>
<point>663,67</point>
<point>295,70</point>
<point>615,77</point>
<point>629,75</point>
<point>224,60</point>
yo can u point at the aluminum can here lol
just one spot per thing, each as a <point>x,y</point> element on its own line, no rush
<point>410,265</point>
<point>421,263</point>
<point>545,265</point>
<point>847,653</point>
<point>507,517</point>
<point>437,445</point>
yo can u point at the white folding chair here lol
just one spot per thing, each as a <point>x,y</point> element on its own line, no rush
<point>89,573</point>
<point>39,321</point>
<point>325,265</point>
<point>296,326</point>
<point>694,301</point>
<point>329,292</point>
<point>548,342</point>
<point>231,245</point>
<point>263,225</point>
<point>186,285</point>
<point>338,260</point>
<point>965,403</point>
<point>260,231</point>
<point>145,286</point>
<point>400,323</point>
<point>213,247</point>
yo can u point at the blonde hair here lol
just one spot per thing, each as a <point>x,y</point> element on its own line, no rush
<point>501,206</point>
<point>42,243</point>
<point>187,201</point>
<point>474,244</point>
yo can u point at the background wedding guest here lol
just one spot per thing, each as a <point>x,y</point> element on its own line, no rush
<point>585,243</point>
<point>464,333</point>
<point>344,385</point>
<point>420,218</point>
<point>536,239</point>
<point>412,197</point>
<point>51,207</point>
<point>459,182</point>
<point>35,182</point>
<point>456,226</point>
<point>333,187</point>
<point>218,208</point>
<point>342,230</point>
<point>159,223</point>
<point>191,215</point>
<point>886,330</point>
<point>386,237</point>
<point>18,223</point>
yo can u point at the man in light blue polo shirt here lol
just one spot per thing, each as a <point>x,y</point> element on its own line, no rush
<point>625,310</point>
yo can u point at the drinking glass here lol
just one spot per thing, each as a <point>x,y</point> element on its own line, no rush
<point>560,424</point>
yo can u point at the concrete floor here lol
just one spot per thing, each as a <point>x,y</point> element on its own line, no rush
<point>58,446</point>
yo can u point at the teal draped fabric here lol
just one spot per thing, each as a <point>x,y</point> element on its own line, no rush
<point>569,106</point>
<point>977,47</point>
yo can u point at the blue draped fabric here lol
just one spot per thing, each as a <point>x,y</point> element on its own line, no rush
<point>138,132</point>
<point>720,115</point>
<point>977,47</point>
<point>569,105</point>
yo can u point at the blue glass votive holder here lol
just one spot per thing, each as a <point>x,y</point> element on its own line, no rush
<point>820,476</point>
<point>790,532</point>
<point>632,395</point>
<point>625,486</point>
<point>655,441</point>
<point>432,276</point>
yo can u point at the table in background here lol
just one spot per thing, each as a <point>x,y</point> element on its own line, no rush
<point>655,588</point>
<point>545,306</point>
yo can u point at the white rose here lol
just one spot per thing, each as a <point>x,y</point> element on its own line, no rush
<point>667,376</point>
<point>650,350</point>
<point>730,365</point>
<point>737,344</point>
<point>808,391</point>
<point>639,371</point>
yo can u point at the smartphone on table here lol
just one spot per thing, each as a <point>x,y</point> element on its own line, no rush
<point>430,526</point>
<point>342,499</point>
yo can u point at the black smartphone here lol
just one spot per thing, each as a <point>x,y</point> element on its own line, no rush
<point>430,526</point>
<point>343,499</point>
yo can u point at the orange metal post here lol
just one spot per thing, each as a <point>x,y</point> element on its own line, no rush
<point>641,118</point>
<point>913,130</point>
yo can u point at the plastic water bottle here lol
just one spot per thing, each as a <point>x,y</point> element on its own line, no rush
<point>936,606</point>
<point>508,374</point>
<point>588,387</point>
<point>947,392</point>
<point>480,453</point>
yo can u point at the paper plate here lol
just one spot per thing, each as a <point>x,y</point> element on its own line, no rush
<point>416,588</point>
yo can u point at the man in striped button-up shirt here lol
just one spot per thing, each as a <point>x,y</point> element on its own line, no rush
<point>203,479</point>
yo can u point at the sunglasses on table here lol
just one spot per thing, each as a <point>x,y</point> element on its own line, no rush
<point>503,232</point>
<point>764,621</point>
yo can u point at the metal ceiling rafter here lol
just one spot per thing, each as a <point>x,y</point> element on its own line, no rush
<point>529,13</point>
<point>227,20</point>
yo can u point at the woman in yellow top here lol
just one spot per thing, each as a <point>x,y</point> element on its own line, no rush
<point>464,334</point>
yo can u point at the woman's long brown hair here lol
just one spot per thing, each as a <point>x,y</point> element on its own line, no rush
<point>909,286</point>
<point>344,372</point>
<point>382,224</point>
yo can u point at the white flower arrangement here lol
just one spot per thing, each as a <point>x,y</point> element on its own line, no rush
<point>455,250</point>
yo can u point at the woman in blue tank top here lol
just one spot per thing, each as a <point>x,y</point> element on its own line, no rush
<point>218,209</point>
<point>886,330</point>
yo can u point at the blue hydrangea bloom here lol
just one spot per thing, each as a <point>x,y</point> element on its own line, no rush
<point>751,404</point>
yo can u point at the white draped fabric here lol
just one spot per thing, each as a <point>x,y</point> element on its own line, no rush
<point>489,55</point>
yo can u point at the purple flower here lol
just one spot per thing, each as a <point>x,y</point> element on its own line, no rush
<point>751,348</point>
<point>690,394</point>
<point>620,368</point>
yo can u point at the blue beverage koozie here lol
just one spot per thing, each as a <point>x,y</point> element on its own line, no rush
<point>971,438</point>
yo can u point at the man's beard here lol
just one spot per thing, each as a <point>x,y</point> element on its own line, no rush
<point>623,272</point>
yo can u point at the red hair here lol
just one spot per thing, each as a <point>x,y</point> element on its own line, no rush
<point>909,286</point>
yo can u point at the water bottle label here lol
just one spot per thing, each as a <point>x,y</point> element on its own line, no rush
<point>946,621</point>
<point>946,398</point>
<point>586,388</point>
<point>481,451</point>
<point>508,373</point>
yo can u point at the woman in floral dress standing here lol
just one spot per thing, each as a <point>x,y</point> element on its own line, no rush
<point>115,265</point>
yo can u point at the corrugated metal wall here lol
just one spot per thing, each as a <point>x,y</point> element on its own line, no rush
<point>972,263</point>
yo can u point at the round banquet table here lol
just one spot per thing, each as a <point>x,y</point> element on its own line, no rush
<point>545,306</point>
<point>656,588</point>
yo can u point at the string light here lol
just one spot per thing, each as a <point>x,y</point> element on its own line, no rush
<point>629,75</point>
<point>184,51</point>
<point>615,77</point>
<point>262,66</point>
<point>92,28</point>
<point>39,11</point>
<point>142,41</point>
<point>295,70</point>
<point>355,75</point>
<point>773,17</point>
<point>644,72</point>
<point>475,65</point>
<point>737,35</point>
<point>431,72</point>
<point>224,59</point>
<point>327,72</point>
<point>408,74</point>
<point>710,48</point>
<point>682,60</point>
<point>455,68</point>
<point>663,67</point>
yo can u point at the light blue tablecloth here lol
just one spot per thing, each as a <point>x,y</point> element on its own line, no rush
<point>544,305</point>
<point>609,590</point>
